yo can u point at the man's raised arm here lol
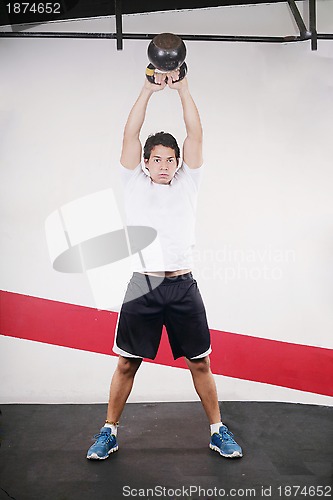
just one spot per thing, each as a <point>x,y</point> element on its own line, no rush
<point>132,148</point>
<point>192,148</point>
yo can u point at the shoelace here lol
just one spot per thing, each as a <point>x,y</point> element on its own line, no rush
<point>103,437</point>
<point>227,436</point>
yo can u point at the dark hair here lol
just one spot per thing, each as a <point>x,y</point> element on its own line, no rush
<point>160,139</point>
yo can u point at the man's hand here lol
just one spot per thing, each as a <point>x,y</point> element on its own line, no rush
<point>159,84</point>
<point>173,82</point>
<point>164,79</point>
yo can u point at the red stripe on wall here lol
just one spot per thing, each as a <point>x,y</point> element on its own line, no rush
<point>57,323</point>
<point>295,366</point>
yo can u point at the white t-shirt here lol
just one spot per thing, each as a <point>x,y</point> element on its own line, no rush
<point>169,209</point>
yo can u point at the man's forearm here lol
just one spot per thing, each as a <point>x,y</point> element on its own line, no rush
<point>191,115</point>
<point>137,115</point>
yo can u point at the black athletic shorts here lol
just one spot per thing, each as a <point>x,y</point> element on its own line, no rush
<point>151,302</point>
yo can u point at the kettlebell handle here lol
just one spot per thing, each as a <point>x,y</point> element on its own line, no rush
<point>150,71</point>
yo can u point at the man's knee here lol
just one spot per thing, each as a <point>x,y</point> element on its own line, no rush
<point>200,365</point>
<point>128,366</point>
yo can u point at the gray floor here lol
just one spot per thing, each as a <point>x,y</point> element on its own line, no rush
<point>163,453</point>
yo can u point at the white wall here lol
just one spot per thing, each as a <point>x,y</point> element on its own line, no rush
<point>264,237</point>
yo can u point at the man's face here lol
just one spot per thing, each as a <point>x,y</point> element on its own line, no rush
<point>162,164</point>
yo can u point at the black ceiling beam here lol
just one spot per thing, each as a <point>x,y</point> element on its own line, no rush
<point>149,36</point>
<point>313,24</point>
<point>324,36</point>
<point>119,23</point>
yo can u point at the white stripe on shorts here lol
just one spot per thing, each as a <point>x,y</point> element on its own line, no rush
<point>203,354</point>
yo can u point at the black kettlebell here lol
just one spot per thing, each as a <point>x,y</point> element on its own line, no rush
<point>166,53</point>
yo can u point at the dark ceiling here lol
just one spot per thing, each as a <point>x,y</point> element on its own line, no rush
<point>72,9</point>
<point>87,8</point>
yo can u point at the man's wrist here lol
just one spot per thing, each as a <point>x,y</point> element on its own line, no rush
<point>147,92</point>
<point>184,89</point>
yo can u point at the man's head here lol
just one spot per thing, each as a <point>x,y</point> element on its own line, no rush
<point>161,155</point>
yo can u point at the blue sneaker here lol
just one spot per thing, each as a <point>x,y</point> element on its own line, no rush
<point>224,443</point>
<point>105,444</point>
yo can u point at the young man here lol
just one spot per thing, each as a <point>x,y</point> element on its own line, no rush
<point>163,292</point>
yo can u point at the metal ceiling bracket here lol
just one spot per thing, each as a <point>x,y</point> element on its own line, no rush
<point>303,31</point>
<point>313,24</point>
<point>119,24</point>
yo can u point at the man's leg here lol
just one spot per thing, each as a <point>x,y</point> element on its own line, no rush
<point>205,386</point>
<point>120,389</point>
<point>121,386</point>
<point>221,438</point>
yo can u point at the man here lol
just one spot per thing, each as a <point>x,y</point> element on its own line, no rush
<point>163,291</point>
